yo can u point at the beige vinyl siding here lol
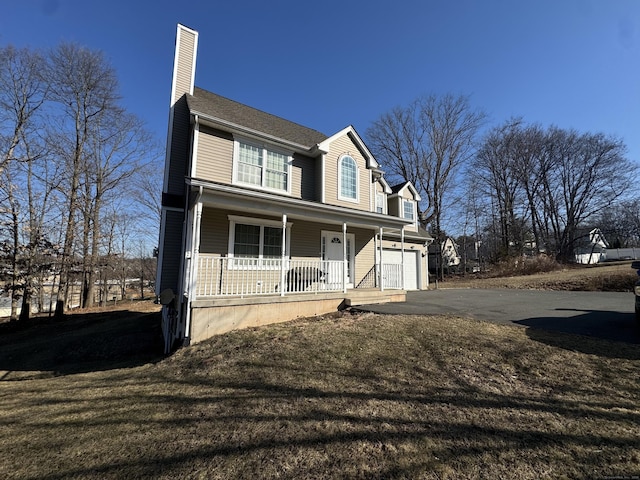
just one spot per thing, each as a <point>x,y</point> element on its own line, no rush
<point>184,70</point>
<point>318,180</point>
<point>393,205</point>
<point>180,139</point>
<point>345,146</point>
<point>180,130</point>
<point>304,181</point>
<point>171,248</point>
<point>365,252</point>
<point>214,158</point>
<point>214,231</point>
<point>305,240</point>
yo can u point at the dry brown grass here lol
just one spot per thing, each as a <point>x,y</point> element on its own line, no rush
<point>604,277</point>
<point>338,397</point>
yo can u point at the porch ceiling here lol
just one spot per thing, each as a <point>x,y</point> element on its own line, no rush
<point>258,202</point>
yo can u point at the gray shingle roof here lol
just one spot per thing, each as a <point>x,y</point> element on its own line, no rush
<point>212,105</point>
<point>397,188</point>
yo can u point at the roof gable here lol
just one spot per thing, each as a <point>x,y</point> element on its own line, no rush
<point>355,138</point>
<point>237,116</point>
<point>397,189</point>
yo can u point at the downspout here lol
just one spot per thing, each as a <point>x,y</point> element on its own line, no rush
<point>193,265</point>
<point>322,178</point>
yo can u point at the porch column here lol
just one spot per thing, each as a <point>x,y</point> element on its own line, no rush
<point>380,277</point>
<point>345,261</point>
<point>194,255</point>
<point>402,256</point>
<point>283,255</point>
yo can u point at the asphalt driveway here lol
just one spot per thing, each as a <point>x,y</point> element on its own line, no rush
<point>607,315</point>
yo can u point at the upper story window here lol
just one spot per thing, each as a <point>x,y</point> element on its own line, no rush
<point>348,179</point>
<point>261,166</point>
<point>408,210</point>
<point>381,202</point>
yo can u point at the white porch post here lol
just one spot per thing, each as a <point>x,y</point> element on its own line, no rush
<point>193,262</point>
<point>284,254</point>
<point>345,261</point>
<point>381,282</point>
<point>402,256</point>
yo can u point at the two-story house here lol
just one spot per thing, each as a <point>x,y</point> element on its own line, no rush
<point>265,220</point>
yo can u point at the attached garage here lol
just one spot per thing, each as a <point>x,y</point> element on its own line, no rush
<point>411,265</point>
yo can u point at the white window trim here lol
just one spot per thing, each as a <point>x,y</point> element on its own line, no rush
<point>340,196</point>
<point>384,202</point>
<point>413,206</point>
<point>265,147</point>
<point>259,222</point>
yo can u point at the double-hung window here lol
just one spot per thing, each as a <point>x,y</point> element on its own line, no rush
<point>348,179</point>
<point>255,242</point>
<point>381,201</point>
<point>408,208</point>
<point>261,166</point>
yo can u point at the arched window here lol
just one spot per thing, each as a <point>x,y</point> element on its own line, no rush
<point>348,178</point>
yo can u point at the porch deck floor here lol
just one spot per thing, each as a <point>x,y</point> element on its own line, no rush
<point>351,298</point>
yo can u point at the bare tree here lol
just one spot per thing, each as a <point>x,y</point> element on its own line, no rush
<point>84,86</point>
<point>495,171</point>
<point>117,150</point>
<point>22,94</point>
<point>549,182</point>
<point>426,143</point>
<point>591,172</point>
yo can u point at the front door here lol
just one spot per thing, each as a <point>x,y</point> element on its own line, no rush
<point>333,254</point>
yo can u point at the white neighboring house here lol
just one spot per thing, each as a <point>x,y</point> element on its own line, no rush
<point>591,248</point>
<point>449,256</point>
<point>450,253</point>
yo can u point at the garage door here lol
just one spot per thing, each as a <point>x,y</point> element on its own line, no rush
<point>411,268</point>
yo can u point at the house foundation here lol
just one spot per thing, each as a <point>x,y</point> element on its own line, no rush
<point>217,316</point>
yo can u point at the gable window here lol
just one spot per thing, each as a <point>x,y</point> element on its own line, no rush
<point>256,242</point>
<point>348,179</point>
<point>408,210</point>
<point>260,166</point>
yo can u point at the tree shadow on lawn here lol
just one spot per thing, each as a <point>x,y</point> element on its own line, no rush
<point>587,332</point>
<point>80,343</point>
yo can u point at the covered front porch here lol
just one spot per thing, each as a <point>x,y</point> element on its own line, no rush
<point>241,248</point>
<point>253,259</point>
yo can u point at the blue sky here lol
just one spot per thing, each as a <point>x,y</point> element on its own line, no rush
<point>571,63</point>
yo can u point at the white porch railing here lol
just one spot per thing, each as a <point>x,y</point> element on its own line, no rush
<point>223,276</point>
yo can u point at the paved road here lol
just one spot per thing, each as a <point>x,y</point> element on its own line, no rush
<point>607,315</point>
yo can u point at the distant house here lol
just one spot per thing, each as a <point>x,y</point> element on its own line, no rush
<point>590,247</point>
<point>265,220</point>
<point>448,256</point>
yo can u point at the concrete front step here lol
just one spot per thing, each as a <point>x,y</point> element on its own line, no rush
<point>368,300</point>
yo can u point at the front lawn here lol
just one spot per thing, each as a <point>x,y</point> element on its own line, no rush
<point>343,396</point>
